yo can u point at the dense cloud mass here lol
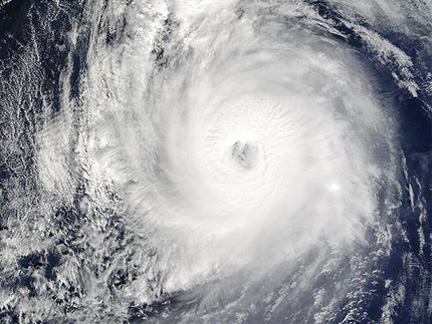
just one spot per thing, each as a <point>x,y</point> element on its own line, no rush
<point>206,161</point>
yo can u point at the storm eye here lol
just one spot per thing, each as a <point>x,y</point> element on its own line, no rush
<point>244,154</point>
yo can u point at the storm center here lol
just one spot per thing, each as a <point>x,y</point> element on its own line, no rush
<point>244,153</point>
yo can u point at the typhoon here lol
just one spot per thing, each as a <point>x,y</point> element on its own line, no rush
<point>207,161</point>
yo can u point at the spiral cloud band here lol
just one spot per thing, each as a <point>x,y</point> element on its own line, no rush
<point>224,162</point>
<point>251,147</point>
<point>251,138</point>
